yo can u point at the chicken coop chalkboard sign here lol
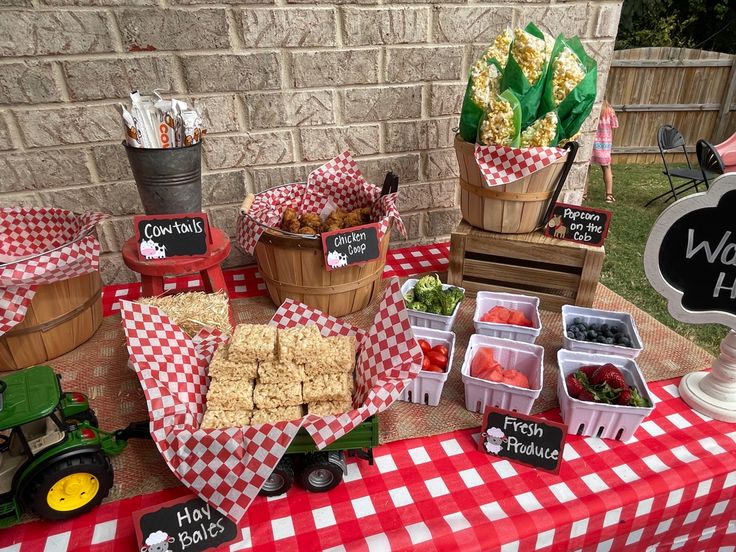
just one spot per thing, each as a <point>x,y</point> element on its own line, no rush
<point>690,258</point>
<point>355,245</point>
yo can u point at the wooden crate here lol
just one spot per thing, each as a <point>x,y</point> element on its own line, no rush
<point>558,272</point>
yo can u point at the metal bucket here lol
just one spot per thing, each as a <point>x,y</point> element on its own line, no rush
<point>169,180</point>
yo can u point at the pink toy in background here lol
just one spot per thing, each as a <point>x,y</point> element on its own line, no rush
<point>727,151</point>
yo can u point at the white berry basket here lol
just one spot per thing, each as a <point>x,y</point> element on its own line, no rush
<point>420,319</point>
<point>590,316</point>
<point>486,300</point>
<point>427,387</point>
<point>527,358</point>
<point>608,421</point>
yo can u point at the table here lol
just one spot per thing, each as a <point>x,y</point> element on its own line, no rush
<point>153,271</point>
<point>673,485</point>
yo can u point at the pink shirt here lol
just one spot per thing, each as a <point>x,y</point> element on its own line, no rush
<point>604,137</point>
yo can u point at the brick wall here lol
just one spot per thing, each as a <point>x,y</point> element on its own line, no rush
<point>283,85</point>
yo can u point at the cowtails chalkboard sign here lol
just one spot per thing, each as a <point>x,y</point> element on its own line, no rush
<point>690,259</point>
<point>578,224</point>
<point>529,440</point>
<point>167,236</point>
<point>184,524</point>
<point>352,246</point>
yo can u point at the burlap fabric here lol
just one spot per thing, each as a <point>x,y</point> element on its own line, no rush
<point>99,368</point>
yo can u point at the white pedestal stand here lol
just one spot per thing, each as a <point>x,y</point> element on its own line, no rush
<point>714,393</point>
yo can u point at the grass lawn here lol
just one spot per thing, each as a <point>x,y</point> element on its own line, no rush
<point>623,271</point>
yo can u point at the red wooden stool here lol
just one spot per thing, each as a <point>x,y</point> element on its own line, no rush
<point>153,271</point>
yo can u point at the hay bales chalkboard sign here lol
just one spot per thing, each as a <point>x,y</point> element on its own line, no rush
<point>186,524</point>
<point>690,256</point>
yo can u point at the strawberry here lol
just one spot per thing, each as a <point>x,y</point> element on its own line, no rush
<point>588,370</point>
<point>624,398</point>
<point>586,395</point>
<point>574,386</point>
<point>609,374</point>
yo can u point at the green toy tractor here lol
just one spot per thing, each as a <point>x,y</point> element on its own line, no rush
<point>54,460</point>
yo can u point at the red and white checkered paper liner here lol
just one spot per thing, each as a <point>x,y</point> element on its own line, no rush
<point>502,165</point>
<point>338,180</point>
<point>227,467</point>
<point>51,245</point>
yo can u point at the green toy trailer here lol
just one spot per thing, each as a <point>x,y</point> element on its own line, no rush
<point>320,471</point>
<point>54,460</point>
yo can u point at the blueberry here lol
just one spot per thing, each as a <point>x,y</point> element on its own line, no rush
<point>571,334</point>
<point>592,334</point>
<point>577,320</point>
<point>609,340</point>
<point>605,328</point>
<point>626,342</point>
<point>615,329</point>
<point>600,339</point>
<point>580,336</point>
<point>595,327</point>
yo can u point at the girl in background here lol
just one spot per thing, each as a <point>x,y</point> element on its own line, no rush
<point>602,148</point>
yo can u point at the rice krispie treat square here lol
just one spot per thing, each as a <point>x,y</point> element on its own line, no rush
<point>221,419</point>
<point>279,371</point>
<point>300,344</point>
<point>327,387</point>
<point>227,370</point>
<point>252,342</point>
<point>230,395</point>
<point>326,408</point>
<point>271,395</point>
<point>337,356</point>
<point>277,414</point>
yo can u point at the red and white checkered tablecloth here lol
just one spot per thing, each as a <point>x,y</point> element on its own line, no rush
<point>673,486</point>
<point>247,281</point>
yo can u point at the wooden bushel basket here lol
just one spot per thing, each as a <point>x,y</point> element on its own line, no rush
<point>294,268</point>
<point>61,316</point>
<point>516,208</point>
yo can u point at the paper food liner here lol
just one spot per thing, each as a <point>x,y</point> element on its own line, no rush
<point>41,246</point>
<point>503,165</point>
<point>338,180</point>
<point>227,467</point>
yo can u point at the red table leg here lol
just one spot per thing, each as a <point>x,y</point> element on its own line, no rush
<point>152,285</point>
<point>213,279</point>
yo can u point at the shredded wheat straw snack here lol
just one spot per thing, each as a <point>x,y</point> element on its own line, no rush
<point>195,310</point>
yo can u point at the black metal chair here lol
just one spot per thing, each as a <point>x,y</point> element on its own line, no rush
<point>709,160</point>
<point>669,139</point>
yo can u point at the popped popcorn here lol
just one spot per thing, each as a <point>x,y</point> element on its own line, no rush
<point>497,127</point>
<point>530,53</point>
<point>541,132</point>
<point>499,50</point>
<point>486,79</point>
<point>567,72</point>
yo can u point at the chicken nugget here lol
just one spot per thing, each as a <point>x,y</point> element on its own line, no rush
<point>311,220</point>
<point>365,214</point>
<point>351,219</point>
<point>306,230</point>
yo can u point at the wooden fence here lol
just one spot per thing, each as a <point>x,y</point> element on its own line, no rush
<point>694,90</point>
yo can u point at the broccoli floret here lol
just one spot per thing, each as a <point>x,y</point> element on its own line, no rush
<point>450,298</point>
<point>418,306</point>
<point>433,300</point>
<point>427,285</point>
<point>409,297</point>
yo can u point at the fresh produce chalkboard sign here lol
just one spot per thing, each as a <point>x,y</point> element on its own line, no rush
<point>690,256</point>
<point>529,440</point>
<point>166,236</point>
<point>351,246</point>
<point>184,524</point>
<point>578,224</point>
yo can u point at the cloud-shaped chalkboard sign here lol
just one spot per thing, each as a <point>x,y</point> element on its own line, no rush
<point>690,256</point>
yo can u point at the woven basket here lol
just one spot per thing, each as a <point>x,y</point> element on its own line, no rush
<point>61,316</point>
<point>515,208</point>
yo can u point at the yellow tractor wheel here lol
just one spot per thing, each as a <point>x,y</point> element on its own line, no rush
<point>71,487</point>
